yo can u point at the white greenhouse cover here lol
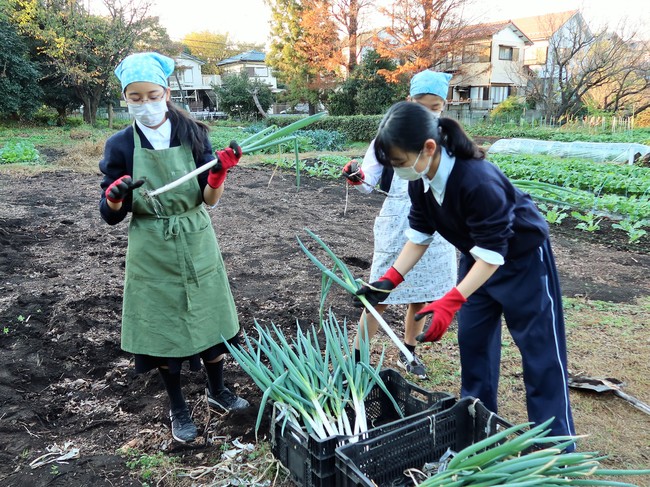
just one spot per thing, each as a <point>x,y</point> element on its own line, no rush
<point>596,151</point>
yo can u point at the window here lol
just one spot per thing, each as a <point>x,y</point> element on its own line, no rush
<point>476,53</point>
<point>188,76</point>
<point>505,53</point>
<point>256,71</point>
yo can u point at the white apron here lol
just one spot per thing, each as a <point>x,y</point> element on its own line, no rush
<point>433,275</point>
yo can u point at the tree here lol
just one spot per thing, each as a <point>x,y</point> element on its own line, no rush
<point>584,67</point>
<point>421,33</point>
<point>305,50</point>
<point>348,15</point>
<point>20,95</point>
<point>59,96</point>
<point>82,50</point>
<point>375,94</point>
<point>237,95</point>
<point>212,47</point>
<point>629,91</point>
<point>366,92</point>
<point>209,47</point>
<point>343,100</point>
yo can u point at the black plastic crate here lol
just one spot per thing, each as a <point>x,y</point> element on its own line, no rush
<point>311,460</point>
<point>382,460</point>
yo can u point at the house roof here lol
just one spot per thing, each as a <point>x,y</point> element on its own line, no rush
<point>485,31</point>
<point>541,27</point>
<point>248,56</point>
<point>185,55</point>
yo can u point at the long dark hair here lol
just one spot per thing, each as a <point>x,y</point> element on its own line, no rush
<point>408,125</point>
<point>188,130</point>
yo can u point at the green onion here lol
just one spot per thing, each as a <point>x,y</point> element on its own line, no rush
<point>550,193</point>
<point>314,388</point>
<point>256,142</point>
<point>505,459</point>
<point>253,145</point>
<point>348,282</point>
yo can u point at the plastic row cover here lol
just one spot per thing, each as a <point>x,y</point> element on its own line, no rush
<point>596,151</point>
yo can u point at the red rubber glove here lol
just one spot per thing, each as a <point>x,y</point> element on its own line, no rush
<point>121,187</point>
<point>353,173</point>
<point>386,283</point>
<point>443,311</point>
<point>228,158</point>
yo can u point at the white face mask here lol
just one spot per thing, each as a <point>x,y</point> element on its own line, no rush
<point>436,114</point>
<point>150,114</point>
<point>410,173</point>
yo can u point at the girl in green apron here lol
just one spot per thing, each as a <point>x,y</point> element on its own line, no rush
<point>177,301</point>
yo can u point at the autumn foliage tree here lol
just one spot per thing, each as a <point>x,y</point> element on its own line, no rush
<point>305,50</point>
<point>349,15</point>
<point>421,33</point>
<point>209,47</point>
<point>212,47</point>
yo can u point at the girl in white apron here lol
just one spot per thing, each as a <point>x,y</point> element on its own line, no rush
<point>436,271</point>
<point>177,301</point>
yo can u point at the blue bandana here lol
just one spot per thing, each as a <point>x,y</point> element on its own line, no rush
<point>145,66</point>
<point>430,82</point>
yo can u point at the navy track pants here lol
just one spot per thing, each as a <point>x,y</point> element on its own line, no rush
<point>526,291</point>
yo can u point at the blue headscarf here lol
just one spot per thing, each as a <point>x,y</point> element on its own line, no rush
<point>430,82</point>
<point>145,66</point>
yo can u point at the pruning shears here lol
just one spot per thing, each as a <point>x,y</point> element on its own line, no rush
<point>354,167</point>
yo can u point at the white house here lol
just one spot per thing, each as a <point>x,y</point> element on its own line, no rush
<point>192,88</point>
<point>252,63</point>
<point>558,29</point>
<point>490,67</point>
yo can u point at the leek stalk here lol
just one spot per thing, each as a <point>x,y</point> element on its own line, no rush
<point>309,383</point>
<point>256,142</point>
<point>351,285</point>
<point>509,458</point>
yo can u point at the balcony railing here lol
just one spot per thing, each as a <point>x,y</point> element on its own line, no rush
<point>207,80</point>
<point>476,104</point>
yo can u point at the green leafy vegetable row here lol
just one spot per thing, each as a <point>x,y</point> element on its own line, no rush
<point>598,177</point>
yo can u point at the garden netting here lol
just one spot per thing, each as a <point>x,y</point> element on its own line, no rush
<point>596,151</point>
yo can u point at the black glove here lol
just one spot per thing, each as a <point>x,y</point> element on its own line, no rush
<point>353,173</point>
<point>386,283</point>
<point>373,296</point>
<point>120,188</point>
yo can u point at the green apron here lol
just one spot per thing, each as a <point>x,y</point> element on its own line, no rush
<point>177,300</point>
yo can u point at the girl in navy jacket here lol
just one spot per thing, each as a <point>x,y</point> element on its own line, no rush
<point>506,265</point>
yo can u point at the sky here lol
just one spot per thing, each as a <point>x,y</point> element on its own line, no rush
<point>248,20</point>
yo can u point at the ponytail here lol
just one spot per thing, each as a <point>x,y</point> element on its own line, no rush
<point>407,125</point>
<point>188,130</point>
<point>456,141</point>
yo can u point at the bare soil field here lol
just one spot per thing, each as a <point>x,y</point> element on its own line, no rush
<point>65,383</point>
